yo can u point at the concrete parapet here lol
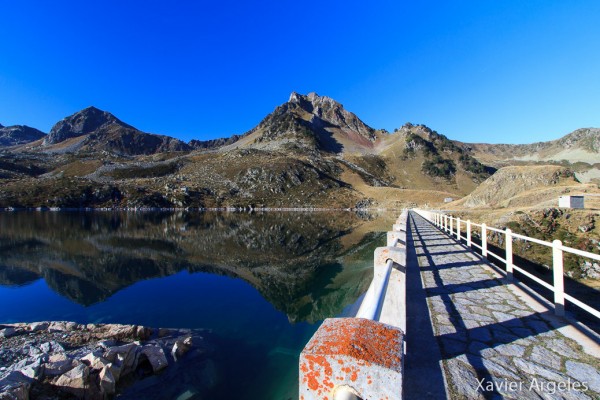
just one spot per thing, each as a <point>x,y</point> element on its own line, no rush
<point>357,355</point>
<point>399,227</point>
<point>396,254</point>
<point>361,357</point>
<point>392,236</point>
<point>393,308</point>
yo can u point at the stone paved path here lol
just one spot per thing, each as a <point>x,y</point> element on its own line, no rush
<point>493,344</point>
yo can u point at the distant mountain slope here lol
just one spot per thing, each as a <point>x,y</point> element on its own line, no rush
<point>92,129</point>
<point>420,158</point>
<point>582,145</point>
<point>523,186</point>
<point>18,134</point>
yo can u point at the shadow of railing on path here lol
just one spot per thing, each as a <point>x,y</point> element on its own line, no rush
<point>451,265</point>
<point>500,333</point>
<point>463,288</point>
<point>483,374</point>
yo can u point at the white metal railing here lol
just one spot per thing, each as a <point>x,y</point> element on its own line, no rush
<point>452,226</point>
<point>373,300</point>
<point>372,303</point>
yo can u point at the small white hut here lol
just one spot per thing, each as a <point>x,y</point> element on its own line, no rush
<point>571,201</point>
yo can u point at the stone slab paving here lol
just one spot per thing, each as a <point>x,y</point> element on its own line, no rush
<point>493,344</point>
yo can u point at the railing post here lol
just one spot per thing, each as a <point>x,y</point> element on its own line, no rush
<point>446,222</point>
<point>451,225</point>
<point>484,240</point>
<point>458,229</point>
<point>559,282</point>
<point>469,233</point>
<point>509,254</point>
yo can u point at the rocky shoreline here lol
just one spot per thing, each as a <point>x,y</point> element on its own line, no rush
<point>65,360</point>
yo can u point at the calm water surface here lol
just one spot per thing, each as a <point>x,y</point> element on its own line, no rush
<point>259,284</point>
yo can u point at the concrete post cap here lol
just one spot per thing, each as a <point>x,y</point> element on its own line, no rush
<point>383,254</point>
<point>399,227</point>
<point>393,235</point>
<point>357,353</point>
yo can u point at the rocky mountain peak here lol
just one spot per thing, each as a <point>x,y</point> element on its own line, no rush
<point>328,112</point>
<point>312,100</point>
<point>295,97</point>
<point>81,123</point>
<point>316,99</point>
<point>312,96</point>
<point>1,126</point>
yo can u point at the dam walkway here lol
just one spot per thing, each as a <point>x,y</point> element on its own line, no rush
<point>482,334</point>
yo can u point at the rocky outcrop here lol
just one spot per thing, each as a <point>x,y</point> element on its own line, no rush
<point>19,134</point>
<point>69,360</point>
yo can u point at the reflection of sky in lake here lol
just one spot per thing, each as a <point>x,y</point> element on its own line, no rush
<point>242,277</point>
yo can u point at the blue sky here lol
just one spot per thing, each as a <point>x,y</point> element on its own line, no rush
<point>499,71</point>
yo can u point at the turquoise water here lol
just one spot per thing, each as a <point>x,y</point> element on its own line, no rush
<point>258,284</point>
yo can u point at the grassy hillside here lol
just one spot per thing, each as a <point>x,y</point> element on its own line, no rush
<point>524,186</point>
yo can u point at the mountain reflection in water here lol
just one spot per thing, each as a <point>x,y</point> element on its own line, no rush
<point>256,284</point>
<point>297,261</point>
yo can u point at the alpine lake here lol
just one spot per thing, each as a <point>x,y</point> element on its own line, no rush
<point>257,284</point>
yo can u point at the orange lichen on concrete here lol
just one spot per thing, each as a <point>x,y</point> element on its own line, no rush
<point>312,373</point>
<point>320,360</point>
<point>303,368</point>
<point>313,383</point>
<point>365,340</point>
<point>364,354</point>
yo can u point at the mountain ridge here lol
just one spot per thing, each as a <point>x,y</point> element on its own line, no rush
<point>320,113</point>
<point>309,152</point>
